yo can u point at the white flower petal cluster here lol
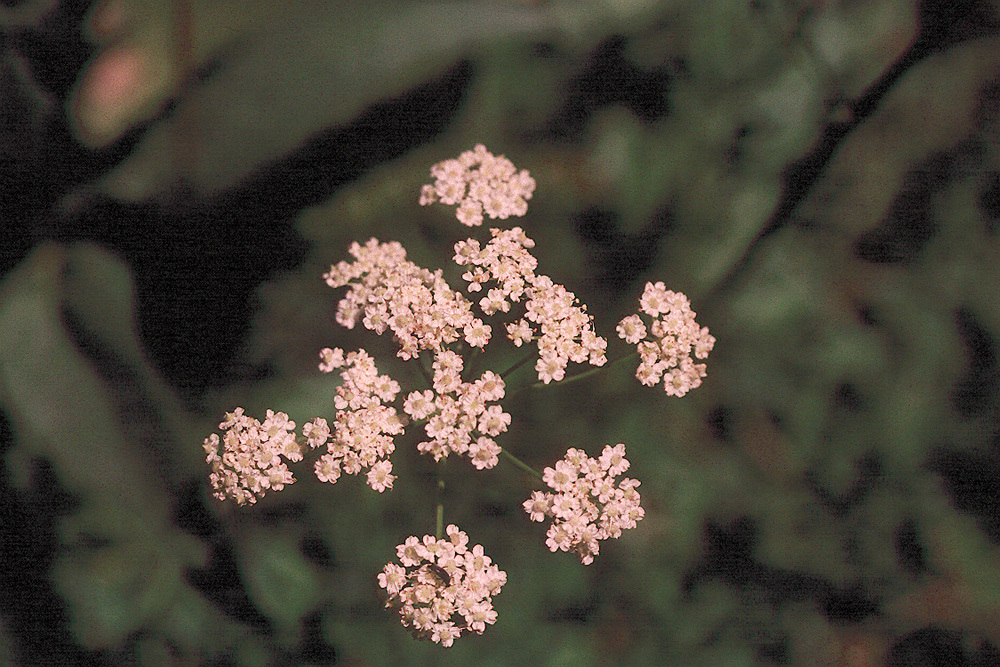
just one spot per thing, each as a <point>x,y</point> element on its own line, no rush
<point>585,504</point>
<point>389,292</point>
<point>480,182</point>
<point>675,339</point>
<point>364,426</point>
<point>442,587</point>
<point>553,317</point>
<point>250,462</point>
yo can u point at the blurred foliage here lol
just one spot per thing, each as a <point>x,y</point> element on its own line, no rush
<point>822,179</point>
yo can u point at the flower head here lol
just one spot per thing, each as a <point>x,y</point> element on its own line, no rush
<point>442,587</point>
<point>251,459</point>
<point>388,292</point>
<point>363,429</point>
<point>553,316</point>
<point>480,183</point>
<point>674,339</point>
<point>585,504</point>
<point>459,416</point>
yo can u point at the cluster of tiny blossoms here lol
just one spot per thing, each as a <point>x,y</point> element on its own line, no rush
<point>250,462</point>
<point>364,425</point>
<point>584,504</point>
<point>553,316</point>
<point>480,182</point>
<point>442,587</point>
<point>387,291</point>
<point>675,337</point>
<point>459,417</point>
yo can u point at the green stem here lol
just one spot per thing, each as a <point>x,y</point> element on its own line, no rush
<point>591,371</point>
<point>423,371</point>
<point>525,359</point>
<point>575,378</point>
<point>439,519</point>
<point>520,464</point>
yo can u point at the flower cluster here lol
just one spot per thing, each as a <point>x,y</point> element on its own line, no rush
<point>585,505</point>
<point>675,336</point>
<point>458,416</point>
<point>250,462</point>
<point>364,425</point>
<point>479,182</point>
<point>553,316</point>
<point>387,291</point>
<point>442,587</point>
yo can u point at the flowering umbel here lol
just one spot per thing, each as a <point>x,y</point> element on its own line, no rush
<point>387,291</point>
<point>250,462</point>
<point>584,504</point>
<point>441,587</point>
<point>675,338</point>
<point>364,425</point>
<point>563,329</point>
<point>480,182</point>
<point>459,416</point>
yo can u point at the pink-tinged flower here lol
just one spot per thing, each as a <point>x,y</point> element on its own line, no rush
<point>562,477</point>
<point>392,578</point>
<point>327,468</point>
<point>467,252</point>
<point>494,421</point>
<point>484,452</point>
<point>477,334</point>
<point>470,213</point>
<point>380,477</point>
<point>667,356</point>
<point>330,359</point>
<point>457,537</point>
<point>613,460</point>
<point>490,386</point>
<point>495,300</point>
<point>317,432</point>
<point>585,504</point>
<point>479,182</point>
<point>631,329</point>
<point>411,551</point>
<point>551,368</point>
<point>250,462</point>
<point>537,506</point>
<point>442,588</point>
<point>519,332</point>
<point>419,405</point>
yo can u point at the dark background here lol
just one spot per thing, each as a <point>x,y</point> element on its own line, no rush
<point>822,179</point>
